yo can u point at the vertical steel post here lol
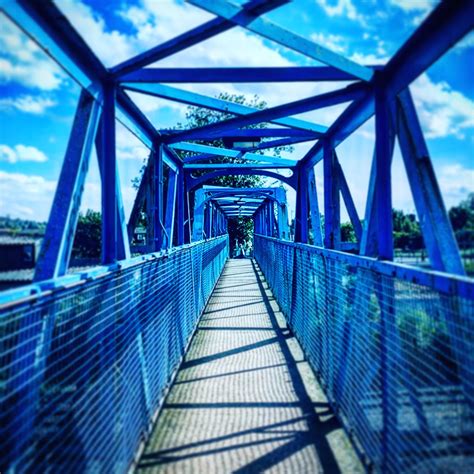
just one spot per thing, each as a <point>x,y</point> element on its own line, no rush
<point>283,228</point>
<point>314,209</point>
<point>157,221</point>
<point>170,208</point>
<point>109,182</point>
<point>383,184</point>
<point>332,205</point>
<point>59,236</point>
<point>180,205</point>
<point>301,217</point>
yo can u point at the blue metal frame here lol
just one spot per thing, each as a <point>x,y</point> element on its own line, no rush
<point>381,91</point>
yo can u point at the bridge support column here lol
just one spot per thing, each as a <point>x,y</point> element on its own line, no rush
<point>301,217</point>
<point>59,237</point>
<point>332,205</point>
<point>314,209</point>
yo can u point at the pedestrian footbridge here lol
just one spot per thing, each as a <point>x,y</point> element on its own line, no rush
<point>313,354</point>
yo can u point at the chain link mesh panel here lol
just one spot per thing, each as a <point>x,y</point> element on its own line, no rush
<point>83,370</point>
<point>396,358</point>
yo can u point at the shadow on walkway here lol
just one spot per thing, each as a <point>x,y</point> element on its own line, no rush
<point>244,399</point>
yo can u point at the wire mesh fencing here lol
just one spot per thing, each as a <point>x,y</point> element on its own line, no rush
<point>393,347</point>
<point>83,369</point>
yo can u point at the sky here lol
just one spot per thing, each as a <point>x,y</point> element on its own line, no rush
<point>38,99</point>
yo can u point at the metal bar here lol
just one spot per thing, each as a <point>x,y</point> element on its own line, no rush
<point>314,209</point>
<point>332,206</point>
<point>123,240</point>
<point>140,197</point>
<point>383,183</point>
<point>193,182</point>
<point>190,38</point>
<point>109,180</point>
<point>180,208</point>
<point>252,133</point>
<point>282,211</point>
<point>446,283</point>
<point>289,39</point>
<point>59,236</point>
<point>199,209</point>
<point>231,153</point>
<point>351,92</point>
<point>301,214</point>
<point>348,201</point>
<point>443,28</point>
<point>438,234</point>
<point>45,24</point>
<point>446,25</point>
<point>252,166</point>
<point>237,75</point>
<point>191,98</point>
<point>170,209</point>
<point>158,196</point>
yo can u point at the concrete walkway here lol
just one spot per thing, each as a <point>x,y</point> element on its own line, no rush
<point>244,399</point>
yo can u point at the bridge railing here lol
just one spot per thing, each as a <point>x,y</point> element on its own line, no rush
<point>393,347</point>
<point>86,360</point>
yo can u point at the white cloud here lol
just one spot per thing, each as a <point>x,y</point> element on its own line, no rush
<point>22,61</point>
<point>442,110</point>
<point>455,182</point>
<point>27,103</point>
<point>466,43</point>
<point>21,153</point>
<point>335,43</point>
<point>129,147</point>
<point>341,7</point>
<point>110,46</point>
<point>34,200</point>
<point>370,59</point>
<point>413,5</point>
<point>36,196</point>
<point>419,8</point>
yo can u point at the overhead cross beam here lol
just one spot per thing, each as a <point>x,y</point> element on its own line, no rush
<point>289,39</point>
<point>199,100</point>
<point>192,37</point>
<point>328,99</point>
<point>445,26</point>
<point>239,74</point>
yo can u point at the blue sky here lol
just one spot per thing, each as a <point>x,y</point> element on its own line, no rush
<point>37,99</point>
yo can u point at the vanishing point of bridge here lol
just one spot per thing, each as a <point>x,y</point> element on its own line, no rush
<point>316,355</point>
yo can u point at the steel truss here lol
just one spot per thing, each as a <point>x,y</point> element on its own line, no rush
<point>375,91</point>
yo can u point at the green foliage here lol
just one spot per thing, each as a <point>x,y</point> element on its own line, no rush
<point>15,226</point>
<point>406,231</point>
<point>240,228</point>
<point>462,220</point>
<point>347,232</point>
<point>88,238</point>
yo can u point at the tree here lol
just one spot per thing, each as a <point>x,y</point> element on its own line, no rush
<point>88,238</point>
<point>462,220</point>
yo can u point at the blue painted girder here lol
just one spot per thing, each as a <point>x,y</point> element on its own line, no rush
<point>251,133</point>
<point>289,39</point>
<point>352,92</point>
<point>238,74</point>
<point>191,98</point>
<point>231,153</point>
<point>446,25</point>
<point>191,37</point>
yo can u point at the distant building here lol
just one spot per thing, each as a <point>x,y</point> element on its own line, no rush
<point>18,253</point>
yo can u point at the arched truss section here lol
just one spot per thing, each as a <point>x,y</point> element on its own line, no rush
<point>214,205</point>
<point>194,182</point>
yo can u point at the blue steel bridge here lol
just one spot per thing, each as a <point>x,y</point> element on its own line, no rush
<point>311,356</point>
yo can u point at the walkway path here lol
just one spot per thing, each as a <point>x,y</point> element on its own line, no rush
<point>244,399</point>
